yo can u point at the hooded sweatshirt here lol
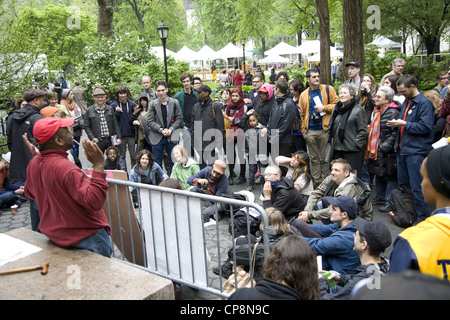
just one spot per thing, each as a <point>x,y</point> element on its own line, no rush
<point>263,108</point>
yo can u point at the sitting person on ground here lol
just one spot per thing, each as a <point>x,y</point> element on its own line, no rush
<point>184,166</point>
<point>334,242</point>
<point>371,239</point>
<point>298,171</point>
<point>340,182</point>
<point>280,228</point>
<point>289,271</point>
<point>279,192</point>
<point>10,193</point>
<point>147,171</point>
<point>210,180</point>
<point>113,161</point>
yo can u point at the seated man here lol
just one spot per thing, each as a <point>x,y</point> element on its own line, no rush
<point>210,180</point>
<point>9,193</point>
<point>280,193</point>
<point>334,242</point>
<point>340,182</point>
<point>371,239</point>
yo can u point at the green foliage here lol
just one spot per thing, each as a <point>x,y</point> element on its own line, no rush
<point>296,72</point>
<point>124,60</point>
<point>424,72</point>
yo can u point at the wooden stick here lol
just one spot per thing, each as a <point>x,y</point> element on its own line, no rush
<point>43,268</point>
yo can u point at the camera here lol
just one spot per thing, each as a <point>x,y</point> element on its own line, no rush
<point>315,117</point>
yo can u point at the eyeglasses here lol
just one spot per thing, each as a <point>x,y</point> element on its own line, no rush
<point>266,174</point>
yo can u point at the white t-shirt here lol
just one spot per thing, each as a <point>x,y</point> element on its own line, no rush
<point>306,188</point>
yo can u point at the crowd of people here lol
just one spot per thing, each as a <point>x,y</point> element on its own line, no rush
<point>316,155</point>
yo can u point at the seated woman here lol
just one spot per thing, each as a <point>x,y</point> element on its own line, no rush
<point>298,171</point>
<point>289,271</point>
<point>147,171</point>
<point>184,166</point>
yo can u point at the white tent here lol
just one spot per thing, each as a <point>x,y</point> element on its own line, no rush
<point>334,53</point>
<point>274,59</point>
<point>186,54</point>
<point>206,53</point>
<point>159,52</point>
<point>230,51</point>
<point>282,48</point>
<point>384,42</point>
<point>309,46</point>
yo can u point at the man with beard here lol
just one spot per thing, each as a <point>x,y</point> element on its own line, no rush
<point>70,217</point>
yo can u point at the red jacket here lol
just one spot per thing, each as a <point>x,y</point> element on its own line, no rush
<point>70,203</point>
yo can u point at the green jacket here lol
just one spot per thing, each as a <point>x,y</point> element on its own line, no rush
<point>181,173</point>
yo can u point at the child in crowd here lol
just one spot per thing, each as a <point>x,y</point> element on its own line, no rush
<point>113,161</point>
<point>255,145</point>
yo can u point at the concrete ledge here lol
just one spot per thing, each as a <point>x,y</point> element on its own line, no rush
<point>77,274</point>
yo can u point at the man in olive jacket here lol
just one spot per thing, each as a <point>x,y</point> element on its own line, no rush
<point>341,182</point>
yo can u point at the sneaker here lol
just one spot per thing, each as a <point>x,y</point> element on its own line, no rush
<point>241,180</point>
<point>378,201</point>
<point>258,174</point>
<point>230,180</point>
<point>385,208</point>
<point>251,187</point>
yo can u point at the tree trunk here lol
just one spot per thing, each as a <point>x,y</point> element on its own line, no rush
<point>105,18</point>
<point>324,29</point>
<point>353,33</point>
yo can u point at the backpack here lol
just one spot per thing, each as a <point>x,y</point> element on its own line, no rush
<point>403,212</point>
<point>239,224</point>
<point>360,200</point>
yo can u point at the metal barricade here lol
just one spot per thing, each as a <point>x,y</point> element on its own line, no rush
<point>166,234</point>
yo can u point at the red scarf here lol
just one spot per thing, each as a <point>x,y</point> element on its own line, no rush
<point>374,133</point>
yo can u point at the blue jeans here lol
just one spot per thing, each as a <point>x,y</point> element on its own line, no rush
<point>7,198</point>
<point>158,152</point>
<point>99,242</point>
<point>384,186</point>
<point>408,173</point>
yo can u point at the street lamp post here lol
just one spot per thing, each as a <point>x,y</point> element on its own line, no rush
<point>243,52</point>
<point>163,32</point>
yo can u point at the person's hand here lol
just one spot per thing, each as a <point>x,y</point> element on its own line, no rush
<point>19,191</point>
<point>136,122</point>
<point>119,141</point>
<point>267,190</point>
<point>136,109</point>
<point>303,216</point>
<point>94,155</point>
<point>118,109</point>
<point>202,181</point>
<point>396,123</point>
<point>95,140</point>
<point>247,101</point>
<point>33,150</point>
<point>263,132</point>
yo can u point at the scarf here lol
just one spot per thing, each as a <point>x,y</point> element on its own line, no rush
<point>274,184</point>
<point>69,106</point>
<point>345,112</point>
<point>374,133</point>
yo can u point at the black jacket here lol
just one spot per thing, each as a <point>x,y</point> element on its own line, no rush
<point>203,113</point>
<point>281,119</point>
<point>22,121</point>
<point>266,289</point>
<point>286,199</point>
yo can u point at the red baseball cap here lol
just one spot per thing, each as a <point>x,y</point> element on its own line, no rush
<point>44,129</point>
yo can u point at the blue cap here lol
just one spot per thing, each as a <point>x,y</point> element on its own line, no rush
<point>345,203</point>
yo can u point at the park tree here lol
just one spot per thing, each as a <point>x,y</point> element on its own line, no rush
<point>429,18</point>
<point>353,32</point>
<point>105,18</point>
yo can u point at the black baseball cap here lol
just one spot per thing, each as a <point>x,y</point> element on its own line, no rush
<point>376,233</point>
<point>353,63</point>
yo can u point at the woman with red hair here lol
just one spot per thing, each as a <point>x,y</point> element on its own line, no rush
<point>235,110</point>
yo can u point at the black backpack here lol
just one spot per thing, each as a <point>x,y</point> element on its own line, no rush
<point>239,224</point>
<point>403,212</point>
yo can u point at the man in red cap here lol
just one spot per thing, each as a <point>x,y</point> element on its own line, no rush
<point>70,203</point>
